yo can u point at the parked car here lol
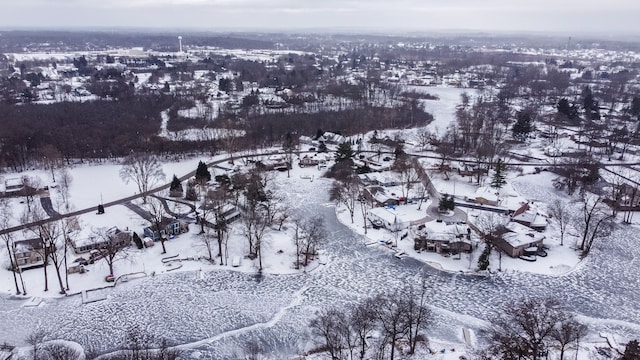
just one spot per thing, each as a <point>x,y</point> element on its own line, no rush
<point>81,261</point>
<point>95,255</point>
<point>79,268</point>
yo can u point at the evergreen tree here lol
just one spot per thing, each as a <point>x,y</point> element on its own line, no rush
<point>590,105</point>
<point>202,173</point>
<point>323,147</point>
<point>632,351</point>
<point>137,240</point>
<point>191,194</point>
<point>344,152</point>
<point>223,180</point>
<point>447,203</point>
<point>176,185</point>
<point>634,109</point>
<point>570,112</point>
<point>498,180</point>
<point>523,125</point>
<point>483,260</point>
<point>374,137</point>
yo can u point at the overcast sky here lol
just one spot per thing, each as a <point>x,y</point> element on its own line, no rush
<point>566,16</point>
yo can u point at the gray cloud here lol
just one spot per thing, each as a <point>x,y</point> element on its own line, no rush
<point>383,15</point>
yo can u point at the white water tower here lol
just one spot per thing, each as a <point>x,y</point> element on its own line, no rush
<point>180,42</point>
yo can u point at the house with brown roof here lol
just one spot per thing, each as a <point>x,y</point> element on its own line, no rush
<point>442,238</point>
<point>529,217</point>
<point>516,240</point>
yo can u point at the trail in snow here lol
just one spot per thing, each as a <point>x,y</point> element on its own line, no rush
<point>297,300</point>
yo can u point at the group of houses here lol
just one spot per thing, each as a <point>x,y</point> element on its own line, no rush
<point>31,252</point>
<point>521,237</point>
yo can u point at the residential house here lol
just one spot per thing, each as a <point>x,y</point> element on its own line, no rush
<point>230,213</point>
<point>386,179</point>
<point>308,161</point>
<point>388,218</point>
<point>114,237</point>
<point>516,240</point>
<point>168,228</point>
<point>275,162</point>
<point>379,196</point>
<point>30,253</point>
<point>528,216</point>
<point>13,186</point>
<point>485,196</point>
<point>442,238</point>
<point>332,138</point>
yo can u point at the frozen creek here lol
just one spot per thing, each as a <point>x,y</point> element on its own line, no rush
<point>218,314</point>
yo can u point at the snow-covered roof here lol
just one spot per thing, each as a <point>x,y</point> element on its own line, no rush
<point>487,193</point>
<point>13,183</point>
<point>442,230</point>
<point>519,239</point>
<point>520,235</point>
<point>532,217</point>
<point>400,213</point>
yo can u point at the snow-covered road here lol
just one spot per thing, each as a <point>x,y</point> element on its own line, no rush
<point>218,314</point>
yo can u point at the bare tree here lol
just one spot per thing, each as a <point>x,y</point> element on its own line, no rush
<point>60,351</point>
<point>70,230</point>
<point>252,350</point>
<point>364,207</point>
<point>594,222</point>
<point>144,170</point>
<point>31,186</point>
<point>35,339</point>
<point>578,173</point>
<point>391,314</point>
<point>113,245</point>
<point>157,219</point>
<point>567,333</point>
<point>418,314</point>
<point>52,159</point>
<point>562,216</point>
<point>525,331</point>
<point>298,236</point>
<point>7,238</point>
<point>329,327</point>
<point>221,224</point>
<point>424,138</point>
<point>489,223</point>
<point>255,225</point>
<point>140,345</point>
<point>346,192</point>
<point>64,183</point>
<point>363,322</point>
<point>314,234</point>
<point>54,238</point>
<point>407,173</point>
<point>44,231</point>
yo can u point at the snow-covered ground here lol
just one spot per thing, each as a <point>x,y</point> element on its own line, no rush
<point>215,312</point>
<point>443,109</point>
